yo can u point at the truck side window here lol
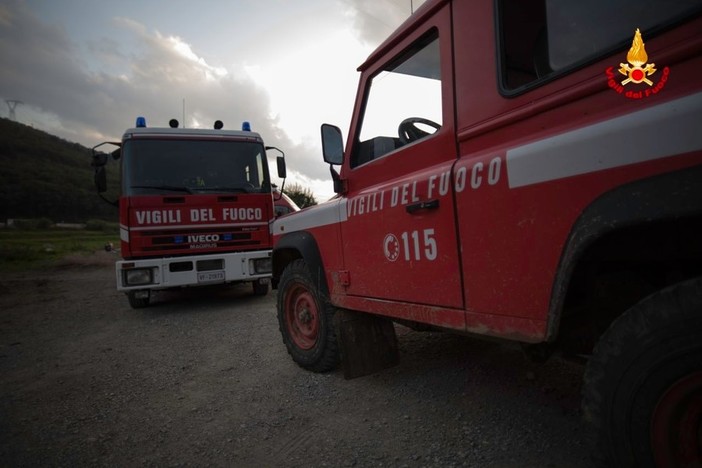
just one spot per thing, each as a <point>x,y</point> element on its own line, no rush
<point>404,102</point>
<point>541,38</point>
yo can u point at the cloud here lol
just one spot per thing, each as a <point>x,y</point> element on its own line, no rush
<point>94,97</point>
<point>90,92</point>
<point>375,20</point>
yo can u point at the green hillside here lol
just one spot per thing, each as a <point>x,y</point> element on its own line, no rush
<point>43,176</point>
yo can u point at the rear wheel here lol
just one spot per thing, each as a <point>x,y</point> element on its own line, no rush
<point>306,320</point>
<point>643,384</point>
<point>139,299</point>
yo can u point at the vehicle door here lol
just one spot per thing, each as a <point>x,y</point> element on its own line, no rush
<point>400,235</point>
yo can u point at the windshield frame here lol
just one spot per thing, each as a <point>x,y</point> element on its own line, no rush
<point>193,165</point>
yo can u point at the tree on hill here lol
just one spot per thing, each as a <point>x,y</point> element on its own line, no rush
<point>44,176</point>
<point>302,196</point>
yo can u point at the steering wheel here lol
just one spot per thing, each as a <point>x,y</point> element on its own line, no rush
<point>409,132</point>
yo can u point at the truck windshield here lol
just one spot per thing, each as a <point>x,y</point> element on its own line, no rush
<point>157,166</point>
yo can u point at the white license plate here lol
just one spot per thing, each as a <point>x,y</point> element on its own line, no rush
<point>210,277</point>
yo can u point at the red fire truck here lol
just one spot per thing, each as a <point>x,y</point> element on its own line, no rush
<point>195,208</point>
<point>529,170</point>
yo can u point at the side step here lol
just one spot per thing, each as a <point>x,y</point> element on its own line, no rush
<point>368,343</point>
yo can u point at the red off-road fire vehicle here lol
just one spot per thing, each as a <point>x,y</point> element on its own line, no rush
<point>529,170</point>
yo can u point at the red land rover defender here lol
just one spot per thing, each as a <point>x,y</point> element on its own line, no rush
<point>529,170</point>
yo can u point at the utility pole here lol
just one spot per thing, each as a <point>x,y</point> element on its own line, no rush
<point>12,104</point>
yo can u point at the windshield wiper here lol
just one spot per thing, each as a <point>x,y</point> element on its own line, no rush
<point>172,188</point>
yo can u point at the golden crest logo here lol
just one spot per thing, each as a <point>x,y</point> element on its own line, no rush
<point>637,71</point>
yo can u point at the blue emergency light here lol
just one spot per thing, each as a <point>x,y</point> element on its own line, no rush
<point>140,122</point>
<point>246,126</point>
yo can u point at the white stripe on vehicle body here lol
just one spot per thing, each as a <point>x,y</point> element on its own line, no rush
<point>331,212</point>
<point>657,132</point>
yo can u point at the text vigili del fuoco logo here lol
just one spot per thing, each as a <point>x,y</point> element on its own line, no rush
<point>638,81</point>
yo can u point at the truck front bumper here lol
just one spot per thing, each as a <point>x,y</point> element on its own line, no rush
<point>173,272</point>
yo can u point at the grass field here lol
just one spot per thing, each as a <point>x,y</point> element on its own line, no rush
<point>26,249</point>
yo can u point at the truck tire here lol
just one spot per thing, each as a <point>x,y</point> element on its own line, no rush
<point>138,302</point>
<point>643,384</point>
<point>306,320</point>
<point>260,287</point>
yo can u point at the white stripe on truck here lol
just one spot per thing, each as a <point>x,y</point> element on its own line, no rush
<point>657,132</point>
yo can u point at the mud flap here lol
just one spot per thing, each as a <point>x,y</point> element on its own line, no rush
<point>368,343</point>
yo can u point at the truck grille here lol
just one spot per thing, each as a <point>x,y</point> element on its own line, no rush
<point>210,239</point>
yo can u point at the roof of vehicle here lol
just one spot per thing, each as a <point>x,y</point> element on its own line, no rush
<point>426,9</point>
<point>209,132</point>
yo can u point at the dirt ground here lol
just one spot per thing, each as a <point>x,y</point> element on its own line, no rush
<point>203,378</point>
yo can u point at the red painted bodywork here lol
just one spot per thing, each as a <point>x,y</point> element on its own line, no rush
<point>499,248</point>
<point>195,215</point>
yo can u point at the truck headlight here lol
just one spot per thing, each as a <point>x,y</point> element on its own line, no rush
<point>260,266</point>
<point>138,276</point>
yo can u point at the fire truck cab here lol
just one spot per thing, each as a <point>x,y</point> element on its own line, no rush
<point>526,170</point>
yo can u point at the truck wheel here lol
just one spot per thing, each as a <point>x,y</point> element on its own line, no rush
<point>138,302</point>
<point>260,287</point>
<point>643,383</point>
<point>306,320</point>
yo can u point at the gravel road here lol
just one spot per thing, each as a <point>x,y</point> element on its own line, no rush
<point>202,378</point>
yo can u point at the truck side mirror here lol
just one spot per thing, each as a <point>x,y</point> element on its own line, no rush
<point>332,144</point>
<point>101,179</point>
<point>99,160</point>
<point>282,172</point>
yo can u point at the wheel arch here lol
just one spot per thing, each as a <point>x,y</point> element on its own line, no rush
<point>661,201</point>
<point>300,244</point>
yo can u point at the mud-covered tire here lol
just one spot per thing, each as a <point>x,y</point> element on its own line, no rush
<point>260,288</point>
<point>306,320</point>
<point>643,383</point>
<point>138,302</point>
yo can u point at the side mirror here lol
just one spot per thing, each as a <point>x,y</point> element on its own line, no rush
<point>99,160</point>
<point>332,144</point>
<point>280,162</point>
<point>282,172</point>
<point>101,179</point>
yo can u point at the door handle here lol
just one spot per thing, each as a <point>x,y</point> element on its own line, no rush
<point>424,205</point>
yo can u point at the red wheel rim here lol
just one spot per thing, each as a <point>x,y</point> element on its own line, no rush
<point>676,426</point>
<point>302,317</point>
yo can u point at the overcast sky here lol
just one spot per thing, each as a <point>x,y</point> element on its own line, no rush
<point>85,69</point>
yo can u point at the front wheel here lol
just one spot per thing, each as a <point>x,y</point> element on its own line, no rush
<point>306,320</point>
<point>643,384</point>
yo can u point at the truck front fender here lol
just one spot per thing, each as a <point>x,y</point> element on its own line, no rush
<point>300,244</point>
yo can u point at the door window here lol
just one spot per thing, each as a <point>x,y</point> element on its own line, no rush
<point>542,38</point>
<point>404,102</point>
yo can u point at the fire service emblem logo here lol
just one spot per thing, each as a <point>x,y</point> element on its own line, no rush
<point>637,71</point>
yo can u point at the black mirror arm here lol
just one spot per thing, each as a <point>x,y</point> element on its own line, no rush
<point>339,183</point>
